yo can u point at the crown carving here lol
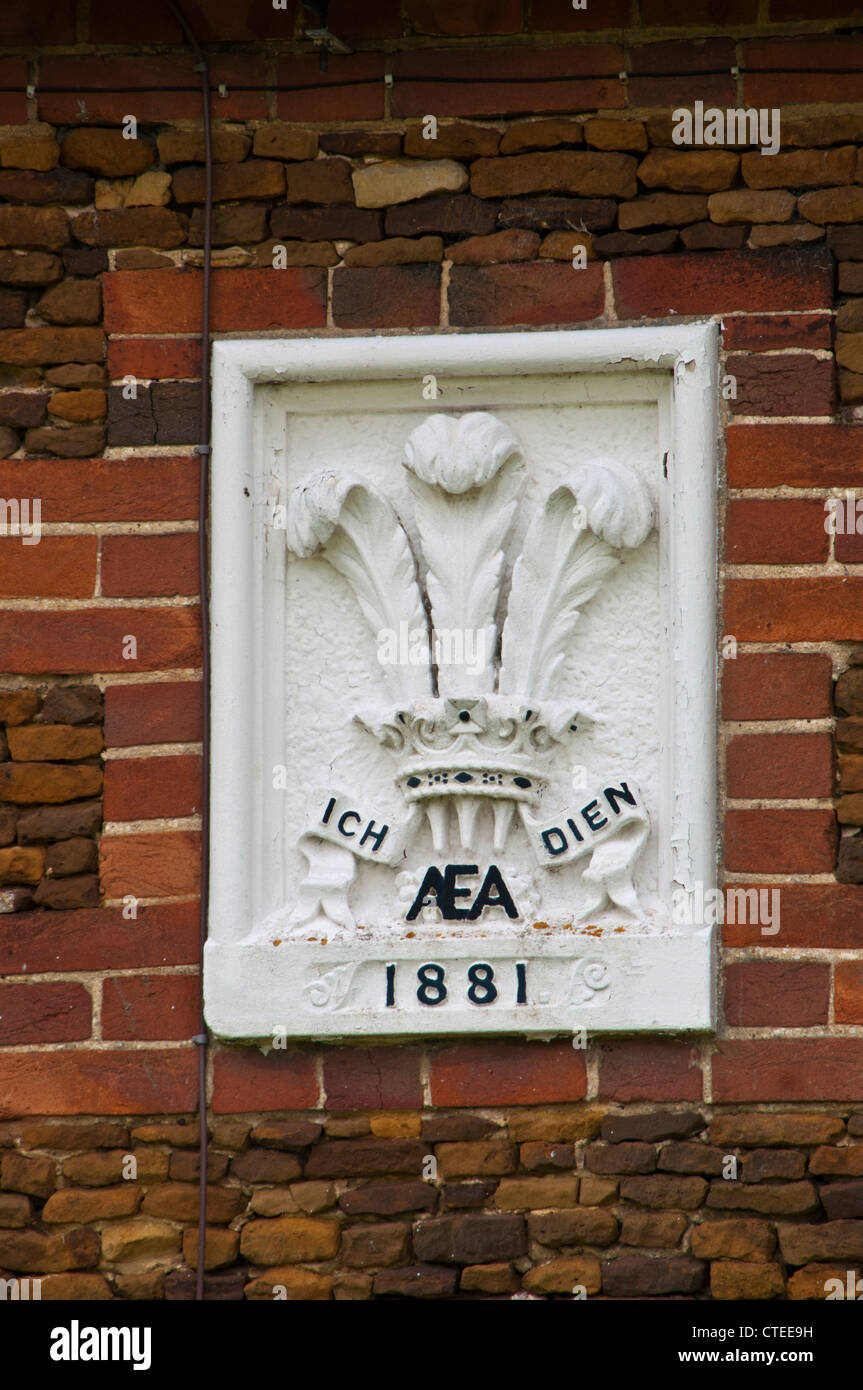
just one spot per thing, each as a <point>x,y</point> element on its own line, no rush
<point>482,734</point>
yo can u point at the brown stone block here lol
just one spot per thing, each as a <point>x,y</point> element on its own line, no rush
<point>489,1158</point>
<point>92,1204</point>
<point>657,1190</point>
<point>417,1281</point>
<point>524,1194</point>
<point>370,1247</point>
<point>187,146</point>
<point>565,1275</point>
<point>131,227</point>
<point>289,1240</point>
<point>179,1202</point>
<point>689,171</point>
<point>220,1247</point>
<point>832,1240</point>
<point>654,1230</point>
<point>754,1130</point>
<point>575,1226</point>
<point>659,209</point>
<point>277,140</point>
<point>105,152</point>
<point>454,140</point>
<point>471,1239</point>
<point>734,1279</point>
<point>590,174</point>
<point>21,865</point>
<point>139,1239</point>
<point>59,822</point>
<point>252,179</point>
<point>785,1199</point>
<point>29,268</point>
<point>28,782</point>
<point>38,229</point>
<point>54,742</point>
<point>733,1240</point>
<point>396,251</point>
<point>491,1279</point>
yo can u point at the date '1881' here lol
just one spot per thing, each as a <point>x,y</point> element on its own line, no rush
<point>481,988</point>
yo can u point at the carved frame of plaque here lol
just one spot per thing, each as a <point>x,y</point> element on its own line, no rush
<point>464,648</point>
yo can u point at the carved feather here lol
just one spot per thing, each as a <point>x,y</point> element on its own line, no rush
<point>465,475</point>
<point>560,569</point>
<point>359,534</point>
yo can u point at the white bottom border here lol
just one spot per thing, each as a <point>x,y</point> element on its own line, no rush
<point>259,992</point>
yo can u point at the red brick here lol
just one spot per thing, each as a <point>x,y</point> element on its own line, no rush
<point>687,12</point>
<point>848,992</point>
<point>37,21</point>
<point>397,296</point>
<point>163,1081</point>
<point>143,301</point>
<point>169,712</point>
<point>150,566</point>
<point>117,85</point>
<point>776,384</point>
<point>777,685</point>
<point>848,547</point>
<point>516,81</point>
<point>244,1077</point>
<point>529,294</point>
<point>44,1013</point>
<point>722,282</point>
<point>155,865</point>
<point>13,103</point>
<point>91,639</point>
<point>780,842</point>
<point>459,21</point>
<point>559,16</point>
<point>507,1073</point>
<point>362,102</point>
<point>649,1070</point>
<point>210,21</point>
<point>785,994</point>
<point>144,1008</point>
<point>766,332</point>
<point>150,359</point>
<point>145,788</point>
<point>379,1078</point>
<point>794,610</point>
<point>811,69</point>
<point>775,765</point>
<point>774,531</point>
<point>794,455</point>
<point>140,489</point>
<point>805,1068</point>
<point>58,567</point>
<point>99,939</point>
<point>812,914</point>
<point>678,73</point>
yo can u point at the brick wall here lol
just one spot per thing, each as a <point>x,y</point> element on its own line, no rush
<point>613,1169</point>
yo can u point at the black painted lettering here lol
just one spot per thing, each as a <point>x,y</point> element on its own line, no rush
<point>615,794</point>
<point>451,874</point>
<point>343,817</point>
<point>501,898</point>
<point>546,840</point>
<point>377,836</point>
<point>593,817</point>
<point>432,883</point>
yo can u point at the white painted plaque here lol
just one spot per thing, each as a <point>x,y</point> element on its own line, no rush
<point>463,684</point>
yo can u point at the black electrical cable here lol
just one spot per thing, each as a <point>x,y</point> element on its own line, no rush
<point>203,450</point>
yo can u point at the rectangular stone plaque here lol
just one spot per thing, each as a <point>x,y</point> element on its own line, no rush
<point>463,687</point>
